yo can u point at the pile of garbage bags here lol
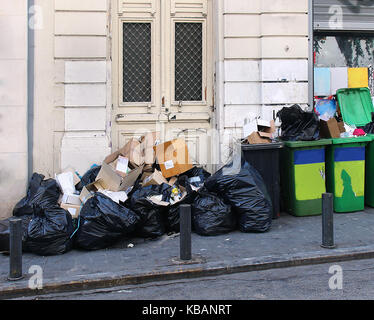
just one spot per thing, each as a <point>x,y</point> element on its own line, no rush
<point>233,198</point>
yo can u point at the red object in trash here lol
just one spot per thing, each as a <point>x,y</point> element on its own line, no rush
<point>359,132</point>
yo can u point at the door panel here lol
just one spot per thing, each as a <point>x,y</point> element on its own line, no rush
<point>163,72</point>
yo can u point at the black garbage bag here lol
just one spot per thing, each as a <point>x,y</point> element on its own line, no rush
<point>173,215</point>
<point>49,231</point>
<point>240,185</point>
<point>102,222</point>
<point>152,215</point>
<point>88,178</point>
<point>369,128</point>
<point>193,177</point>
<point>211,216</point>
<point>43,193</point>
<point>298,125</point>
<point>5,232</point>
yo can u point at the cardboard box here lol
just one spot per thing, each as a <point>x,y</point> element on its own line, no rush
<point>341,126</point>
<point>330,129</point>
<point>258,125</point>
<point>71,199</point>
<point>132,150</point>
<point>172,181</point>
<point>121,166</point>
<point>74,210</point>
<point>259,131</point>
<point>112,181</point>
<point>173,158</point>
<point>258,138</point>
<point>155,178</point>
<point>148,141</point>
<point>87,190</point>
<point>148,168</point>
<point>266,129</point>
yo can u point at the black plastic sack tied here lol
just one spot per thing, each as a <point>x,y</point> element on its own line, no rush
<point>211,216</point>
<point>43,193</point>
<point>152,216</point>
<point>241,186</point>
<point>49,231</point>
<point>298,125</point>
<point>194,177</point>
<point>88,178</point>
<point>103,222</point>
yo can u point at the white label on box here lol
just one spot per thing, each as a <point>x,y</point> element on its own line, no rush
<point>146,180</point>
<point>169,164</point>
<point>122,164</point>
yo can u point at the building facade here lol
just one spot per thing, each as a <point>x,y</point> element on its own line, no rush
<point>88,75</point>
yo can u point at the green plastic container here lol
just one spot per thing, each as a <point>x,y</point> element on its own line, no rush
<point>355,105</point>
<point>369,173</point>
<point>345,173</point>
<point>303,176</point>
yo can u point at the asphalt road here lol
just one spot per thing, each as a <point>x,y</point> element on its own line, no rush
<point>297,283</point>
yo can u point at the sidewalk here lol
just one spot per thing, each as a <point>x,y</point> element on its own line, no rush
<point>291,241</point>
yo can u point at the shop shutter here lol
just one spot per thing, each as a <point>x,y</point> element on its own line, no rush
<point>346,15</point>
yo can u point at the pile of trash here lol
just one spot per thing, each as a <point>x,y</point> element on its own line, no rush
<point>137,192</point>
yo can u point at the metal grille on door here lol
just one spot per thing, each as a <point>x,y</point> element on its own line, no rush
<point>188,61</point>
<point>137,69</point>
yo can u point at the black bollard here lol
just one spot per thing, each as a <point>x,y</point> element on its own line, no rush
<point>185,232</point>
<point>15,249</point>
<point>327,221</point>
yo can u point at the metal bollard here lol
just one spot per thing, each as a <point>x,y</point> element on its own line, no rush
<point>15,249</point>
<point>185,232</point>
<point>327,221</point>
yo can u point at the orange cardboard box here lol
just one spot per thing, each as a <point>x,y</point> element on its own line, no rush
<point>173,158</point>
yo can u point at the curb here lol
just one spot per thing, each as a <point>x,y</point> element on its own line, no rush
<point>186,271</point>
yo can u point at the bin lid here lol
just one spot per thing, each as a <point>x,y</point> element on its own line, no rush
<point>262,146</point>
<point>355,105</point>
<point>305,144</point>
<point>352,140</point>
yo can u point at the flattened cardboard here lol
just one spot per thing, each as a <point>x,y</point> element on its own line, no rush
<point>341,126</point>
<point>173,158</point>
<point>71,199</point>
<point>256,138</point>
<point>172,181</point>
<point>110,180</point>
<point>131,150</point>
<point>92,187</point>
<point>74,210</point>
<point>329,129</point>
<point>155,178</point>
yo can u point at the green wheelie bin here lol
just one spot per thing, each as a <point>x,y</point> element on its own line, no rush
<point>369,173</point>
<point>303,176</point>
<point>345,173</point>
